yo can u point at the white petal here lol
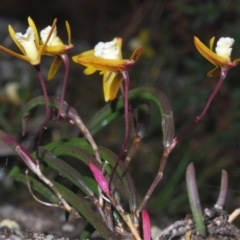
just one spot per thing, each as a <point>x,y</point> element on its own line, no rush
<point>28,43</point>
<point>108,50</point>
<point>54,40</point>
<point>223,47</point>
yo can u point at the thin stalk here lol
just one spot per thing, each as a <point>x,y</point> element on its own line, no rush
<point>109,215</point>
<point>86,133</point>
<point>168,137</point>
<point>36,198</point>
<point>119,226</point>
<point>132,150</point>
<point>114,199</point>
<point>35,167</point>
<point>67,113</point>
<point>141,122</point>
<point>11,142</point>
<point>126,89</point>
<point>198,118</point>
<point>65,60</point>
<point>44,125</point>
<point>125,216</point>
<point>157,179</point>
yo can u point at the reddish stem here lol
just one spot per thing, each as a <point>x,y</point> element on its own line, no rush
<point>65,60</point>
<point>44,126</point>
<point>125,95</point>
<point>198,118</point>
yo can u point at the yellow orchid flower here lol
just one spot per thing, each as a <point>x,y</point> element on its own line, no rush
<point>28,43</point>
<point>107,58</point>
<point>221,59</point>
<point>55,47</point>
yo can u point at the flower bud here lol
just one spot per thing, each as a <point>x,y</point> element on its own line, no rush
<point>146,225</point>
<point>100,178</point>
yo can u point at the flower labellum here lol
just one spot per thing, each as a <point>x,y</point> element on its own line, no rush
<point>224,45</point>
<point>108,50</point>
<point>54,40</point>
<point>28,42</point>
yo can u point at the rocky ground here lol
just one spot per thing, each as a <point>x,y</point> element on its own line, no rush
<point>35,221</point>
<point>30,220</point>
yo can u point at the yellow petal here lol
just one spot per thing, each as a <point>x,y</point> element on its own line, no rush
<point>89,71</point>
<point>33,26</point>
<point>101,64</point>
<point>115,86</point>
<point>237,61</point>
<point>54,67</point>
<point>214,72</point>
<point>68,32</point>
<point>111,83</point>
<point>54,50</point>
<point>210,55</point>
<point>23,57</point>
<point>13,36</point>
<point>89,53</point>
<point>136,54</point>
<point>44,46</point>
<point>211,43</point>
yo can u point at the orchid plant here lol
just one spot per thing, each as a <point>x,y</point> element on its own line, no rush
<point>109,172</point>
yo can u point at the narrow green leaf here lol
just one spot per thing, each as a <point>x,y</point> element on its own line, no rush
<point>14,171</point>
<point>35,185</point>
<point>82,150</point>
<point>85,211</point>
<point>87,232</point>
<point>66,112</point>
<point>79,203</point>
<point>116,108</point>
<point>194,199</point>
<point>66,170</point>
<point>223,190</point>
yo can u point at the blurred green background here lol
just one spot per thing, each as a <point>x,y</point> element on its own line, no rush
<point>170,63</point>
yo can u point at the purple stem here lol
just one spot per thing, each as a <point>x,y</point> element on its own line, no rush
<point>44,126</point>
<point>126,89</point>
<point>65,60</point>
<point>20,150</point>
<point>198,118</point>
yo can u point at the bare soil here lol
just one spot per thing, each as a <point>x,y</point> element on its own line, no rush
<point>40,222</point>
<point>217,228</point>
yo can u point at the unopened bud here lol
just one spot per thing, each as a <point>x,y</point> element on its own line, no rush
<point>146,225</point>
<point>100,178</point>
